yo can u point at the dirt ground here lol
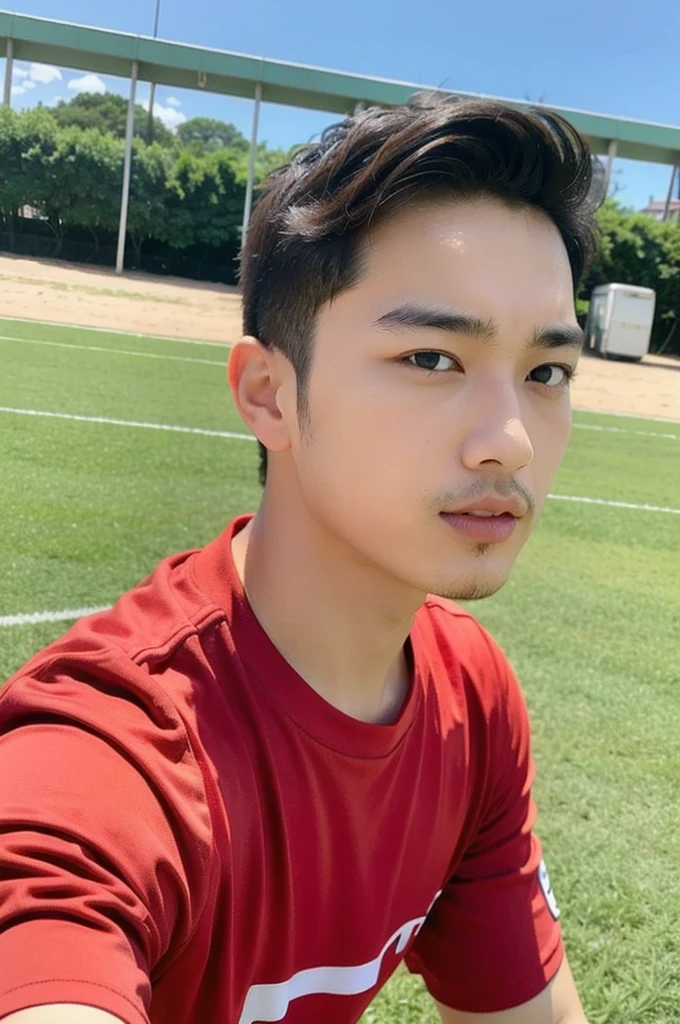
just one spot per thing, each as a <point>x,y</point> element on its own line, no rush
<point>174,308</point>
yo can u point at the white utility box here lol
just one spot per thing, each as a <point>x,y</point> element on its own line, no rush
<point>620,320</point>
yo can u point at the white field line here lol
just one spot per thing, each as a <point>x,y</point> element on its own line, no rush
<point>625,430</point>
<point>627,415</point>
<point>222,363</point>
<point>108,330</point>
<point>244,437</point>
<point>75,613</point>
<point>232,435</point>
<point>227,344</point>
<point>116,351</point>
<point>128,423</point>
<point>615,504</point>
<point>33,618</point>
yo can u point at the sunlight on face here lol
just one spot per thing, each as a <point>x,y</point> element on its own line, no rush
<point>438,391</point>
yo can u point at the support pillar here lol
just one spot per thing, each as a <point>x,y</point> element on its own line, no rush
<point>7,95</point>
<point>667,207</point>
<point>129,131</point>
<point>152,96</point>
<point>251,161</point>
<point>149,120</point>
<point>611,154</point>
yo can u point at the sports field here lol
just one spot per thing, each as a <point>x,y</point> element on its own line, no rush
<point>116,450</point>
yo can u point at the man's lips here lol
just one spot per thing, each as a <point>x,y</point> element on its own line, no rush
<point>489,520</point>
<point>495,506</point>
<point>481,529</point>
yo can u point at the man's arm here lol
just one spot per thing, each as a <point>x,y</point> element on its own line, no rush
<point>559,1003</point>
<point>62,1013</point>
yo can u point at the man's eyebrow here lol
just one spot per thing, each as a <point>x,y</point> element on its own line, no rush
<point>557,336</point>
<point>412,314</point>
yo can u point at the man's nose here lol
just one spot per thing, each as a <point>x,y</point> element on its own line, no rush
<point>497,435</point>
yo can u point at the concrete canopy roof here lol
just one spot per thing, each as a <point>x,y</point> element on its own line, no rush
<point>218,71</point>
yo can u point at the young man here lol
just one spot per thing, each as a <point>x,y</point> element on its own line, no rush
<point>278,767</point>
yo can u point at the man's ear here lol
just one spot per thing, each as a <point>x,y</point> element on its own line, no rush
<point>255,378</point>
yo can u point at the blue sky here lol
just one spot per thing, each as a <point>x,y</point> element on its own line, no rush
<point>608,56</point>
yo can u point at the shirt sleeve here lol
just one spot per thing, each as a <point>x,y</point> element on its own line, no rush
<point>102,827</point>
<point>492,940</point>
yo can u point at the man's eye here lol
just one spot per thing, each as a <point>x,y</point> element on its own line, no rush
<point>552,375</point>
<point>433,361</point>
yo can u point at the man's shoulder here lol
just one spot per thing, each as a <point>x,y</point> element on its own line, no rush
<point>130,672</point>
<point>146,624</point>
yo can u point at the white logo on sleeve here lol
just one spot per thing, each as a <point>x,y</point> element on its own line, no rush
<point>544,881</point>
<point>271,1002</point>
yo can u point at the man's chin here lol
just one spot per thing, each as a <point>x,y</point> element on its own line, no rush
<point>481,577</point>
<point>473,592</point>
<point>470,589</point>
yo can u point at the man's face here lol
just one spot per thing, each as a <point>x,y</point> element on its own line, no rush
<point>420,420</point>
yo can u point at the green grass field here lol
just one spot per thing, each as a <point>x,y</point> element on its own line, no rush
<point>590,617</point>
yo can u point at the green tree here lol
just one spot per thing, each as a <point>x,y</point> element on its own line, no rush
<point>68,165</point>
<point>269,160</point>
<point>73,177</point>
<point>207,134</point>
<point>147,214</point>
<point>90,168</point>
<point>266,161</point>
<point>634,248</point>
<point>14,191</point>
<point>204,202</point>
<point>39,141</point>
<point>108,113</point>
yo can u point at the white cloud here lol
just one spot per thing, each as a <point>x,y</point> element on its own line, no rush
<point>88,83</point>
<point>174,102</point>
<point>44,73</point>
<point>55,101</point>
<point>18,72</point>
<point>28,84</point>
<point>18,90</point>
<point>168,115</point>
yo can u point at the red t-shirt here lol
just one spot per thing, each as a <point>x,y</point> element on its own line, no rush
<point>191,835</point>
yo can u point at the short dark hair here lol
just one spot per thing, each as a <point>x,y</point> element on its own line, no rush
<point>305,241</point>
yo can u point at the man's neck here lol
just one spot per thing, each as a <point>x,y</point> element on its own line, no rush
<point>338,621</point>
